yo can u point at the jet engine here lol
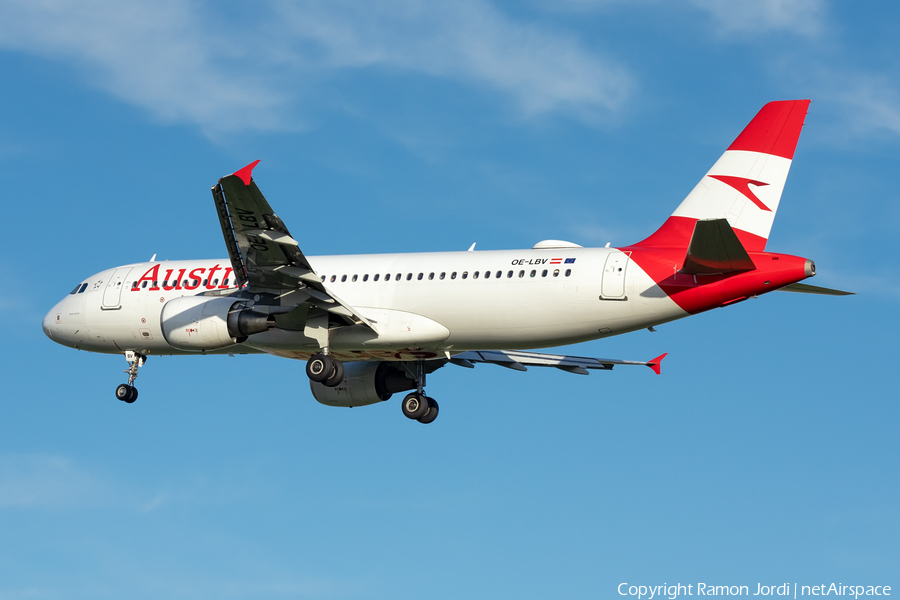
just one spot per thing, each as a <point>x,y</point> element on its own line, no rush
<point>202,323</point>
<point>364,383</point>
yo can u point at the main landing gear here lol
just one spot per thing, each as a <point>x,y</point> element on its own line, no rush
<point>417,405</point>
<point>126,392</point>
<point>324,369</point>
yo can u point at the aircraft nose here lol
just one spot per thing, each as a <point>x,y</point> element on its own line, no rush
<point>48,323</point>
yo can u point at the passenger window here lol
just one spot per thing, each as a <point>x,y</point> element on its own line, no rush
<point>377,275</point>
<point>84,287</point>
<point>420,276</point>
<point>205,281</point>
<point>333,278</point>
<point>323,278</point>
<point>408,276</point>
<point>568,272</point>
<point>144,285</point>
<point>509,274</point>
<point>387,277</point>
<point>443,274</point>
<point>475,275</point>
<point>556,272</point>
<point>134,285</point>
<point>453,275</point>
<point>397,277</point>
<point>533,272</point>
<point>465,275</point>
<point>487,274</point>
<point>225,283</point>
<point>343,278</point>
<point>544,273</point>
<point>521,273</point>
<point>155,282</point>
<point>366,277</point>
<point>430,276</point>
<point>499,274</point>
<point>354,278</point>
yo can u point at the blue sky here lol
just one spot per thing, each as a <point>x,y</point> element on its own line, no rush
<point>766,452</point>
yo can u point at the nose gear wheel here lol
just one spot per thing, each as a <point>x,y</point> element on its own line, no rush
<point>126,392</point>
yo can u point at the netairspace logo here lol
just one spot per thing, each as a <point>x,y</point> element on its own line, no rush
<point>649,592</point>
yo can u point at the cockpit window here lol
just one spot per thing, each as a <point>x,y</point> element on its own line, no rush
<point>83,287</point>
<point>75,290</point>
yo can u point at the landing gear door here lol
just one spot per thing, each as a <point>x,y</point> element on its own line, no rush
<point>112,295</point>
<point>613,285</point>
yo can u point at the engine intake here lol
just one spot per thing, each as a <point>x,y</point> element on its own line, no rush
<point>202,323</point>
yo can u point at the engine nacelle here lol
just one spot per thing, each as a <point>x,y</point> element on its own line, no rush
<point>364,383</point>
<point>203,323</point>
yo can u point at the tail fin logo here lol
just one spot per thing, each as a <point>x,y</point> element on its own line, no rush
<point>742,184</point>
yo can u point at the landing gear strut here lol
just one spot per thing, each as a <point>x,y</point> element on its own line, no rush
<point>126,392</point>
<point>417,405</point>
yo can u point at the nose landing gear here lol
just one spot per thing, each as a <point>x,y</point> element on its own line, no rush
<point>126,392</point>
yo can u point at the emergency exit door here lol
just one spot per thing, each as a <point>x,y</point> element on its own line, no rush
<point>613,285</point>
<point>112,295</point>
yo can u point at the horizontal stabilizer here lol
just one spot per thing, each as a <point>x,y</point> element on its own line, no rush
<point>805,288</point>
<point>715,248</point>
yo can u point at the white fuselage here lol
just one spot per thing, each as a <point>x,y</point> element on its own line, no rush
<point>422,304</point>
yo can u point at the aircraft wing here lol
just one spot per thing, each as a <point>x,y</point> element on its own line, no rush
<point>264,256</point>
<point>519,360</point>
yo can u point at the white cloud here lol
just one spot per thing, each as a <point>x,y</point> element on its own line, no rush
<point>850,103</point>
<point>803,17</point>
<point>871,102</point>
<point>195,63</point>
<point>468,40</point>
<point>160,56</point>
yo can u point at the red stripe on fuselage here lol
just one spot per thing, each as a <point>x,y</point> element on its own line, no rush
<point>662,254</point>
<point>676,232</point>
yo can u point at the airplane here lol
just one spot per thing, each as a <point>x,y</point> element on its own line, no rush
<point>373,325</point>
